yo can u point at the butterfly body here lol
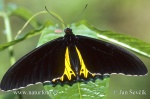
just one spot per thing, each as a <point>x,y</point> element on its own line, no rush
<point>72,57</point>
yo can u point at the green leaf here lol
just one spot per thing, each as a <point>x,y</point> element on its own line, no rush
<point>28,35</point>
<point>127,41</point>
<point>49,34</point>
<point>80,90</point>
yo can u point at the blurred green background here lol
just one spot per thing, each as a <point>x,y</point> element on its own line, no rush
<point>131,17</point>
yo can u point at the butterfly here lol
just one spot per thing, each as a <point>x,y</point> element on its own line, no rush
<point>72,57</point>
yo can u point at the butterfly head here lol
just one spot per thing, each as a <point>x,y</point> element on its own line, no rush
<point>68,31</point>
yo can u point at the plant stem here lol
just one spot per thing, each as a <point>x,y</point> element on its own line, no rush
<point>9,36</point>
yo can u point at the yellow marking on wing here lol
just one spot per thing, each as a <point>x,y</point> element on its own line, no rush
<point>83,70</point>
<point>68,71</point>
<point>92,74</point>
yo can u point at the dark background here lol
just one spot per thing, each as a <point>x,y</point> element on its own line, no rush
<point>131,17</point>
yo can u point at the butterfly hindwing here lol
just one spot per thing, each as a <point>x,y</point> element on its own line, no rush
<point>104,58</point>
<point>42,64</point>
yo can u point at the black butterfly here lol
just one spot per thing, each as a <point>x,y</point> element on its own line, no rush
<point>69,57</point>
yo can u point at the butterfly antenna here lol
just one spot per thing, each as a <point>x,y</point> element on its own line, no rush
<point>55,16</point>
<point>80,13</point>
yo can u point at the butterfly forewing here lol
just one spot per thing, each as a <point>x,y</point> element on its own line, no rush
<point>42,64</point>
<point>105,58</point>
